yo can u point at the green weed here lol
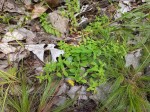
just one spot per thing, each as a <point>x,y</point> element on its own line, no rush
<point>96,28</point>
<point>20,99</point>
<point>8,79</point>
<point>130,86</point>
<point>128,92</point>
<point>72,7</point>
<point>5,19</point>
<point>86,63</point>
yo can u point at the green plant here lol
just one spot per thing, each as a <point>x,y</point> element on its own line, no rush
<point>129,86</point>
<point>128,91</point>
<point>86,63</point>
<point>5,19</point>
<point>48,94</point>
<point>47,26</point>
<point>8,79</point>
<point>20,99</point>
<point>96,28</point>
<point>73,7</point>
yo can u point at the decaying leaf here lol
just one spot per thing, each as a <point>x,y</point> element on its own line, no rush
<point>2,55</point>
<point>83,94</point>
<point>39,49</point>
<point>72,92</point>
<point>62,89</point>
<point>83,22</point>
<point>3,64</point>
<point>54,52</point>
<point>38,10</point>
<point>133,58</point>
<point>60,101</point>
<point>18,34</point>
<point>125,6</point>
<point>1,4</point>
<point>102,92</point>
<point>21,53</point>
<point>78,90</point>
<point>10,6</point>
<point>59,22</point>
<point>5,48</point>
<point>27,2</point>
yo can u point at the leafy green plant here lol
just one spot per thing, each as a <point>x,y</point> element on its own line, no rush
<point>96,28</point>
<point>73,7</point>
<point>129,86</point>
<point>47,26</point>
<point>86,63</point>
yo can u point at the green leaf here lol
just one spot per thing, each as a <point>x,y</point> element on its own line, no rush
<point>59,74</point>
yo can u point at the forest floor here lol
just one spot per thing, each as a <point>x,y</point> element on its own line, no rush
<point>74,56</point>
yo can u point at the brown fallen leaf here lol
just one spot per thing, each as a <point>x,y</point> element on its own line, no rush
<point>1,4</point>
<point>53,3</point>
<point>5,48</point>
<point>3,65</point>
<point>133,58</point>
<point>11,6</point>
<point>38,10</point>
<point>59,22</point>
<point>19,34</point>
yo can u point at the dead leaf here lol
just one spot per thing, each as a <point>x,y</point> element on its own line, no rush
<point>60,100</point>
<point>83,22</point>
<point>125,6</point>
<point>27,2</point>
<point>3,65</point>
<point>18,55</point>
<point>1,4</point>
<point>62,89</point>
<point>38,10</point>
<point>82,93</point>
<point>102,92</point>
<point>59,22</point>
<point>2,55</point>
<point>18,34</point>
<point>10,6</point>
<point>84,8</point>
<point>38,50</point>
<point>133,58</point>
<point>5,48</point>
<point>54,52</point>
<point>72,92</point>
